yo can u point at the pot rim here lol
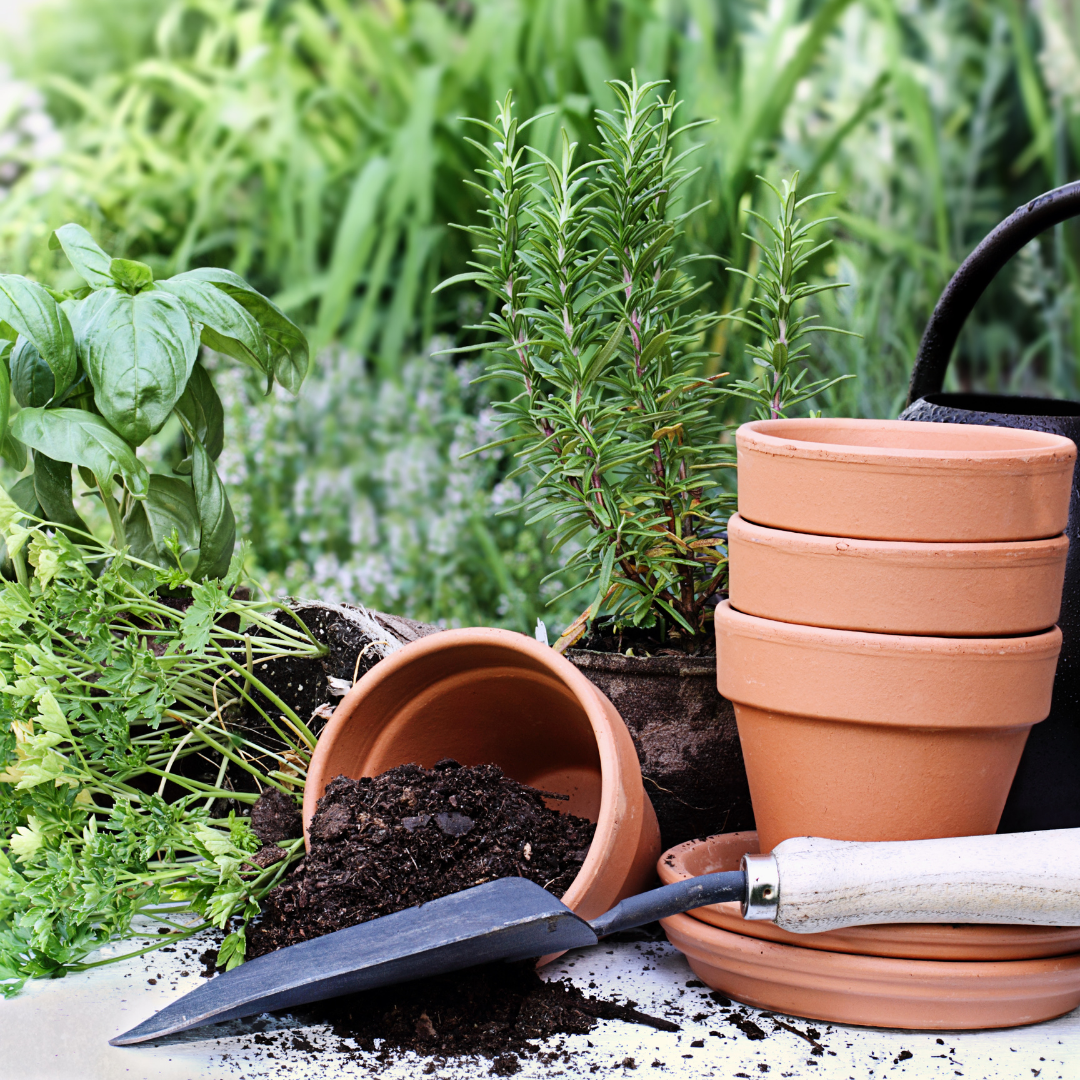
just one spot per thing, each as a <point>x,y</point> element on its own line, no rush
<point>968,554</point>
<point>1041,645</point>
<point>1015,447</point>
<point>613,799</point>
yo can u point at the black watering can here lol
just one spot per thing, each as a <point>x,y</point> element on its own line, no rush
<point>1046,791</point>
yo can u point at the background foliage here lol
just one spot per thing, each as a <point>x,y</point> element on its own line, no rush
<point>316,147</point>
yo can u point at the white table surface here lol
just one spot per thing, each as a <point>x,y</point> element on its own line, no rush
<point>59,1030</point>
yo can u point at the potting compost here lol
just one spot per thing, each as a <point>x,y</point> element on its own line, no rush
<point>411,835</point>
<point>381,844</point>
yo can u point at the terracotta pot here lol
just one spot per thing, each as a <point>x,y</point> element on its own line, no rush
<point>492,696</point>
<point>857,736</point>
<point>877,991</point>
<point>882,586</point>
<point>903,480</point>
<point>911,941</point>
<point>685,736</point>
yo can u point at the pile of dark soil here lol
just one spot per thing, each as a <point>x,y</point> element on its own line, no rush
<point>499,1011</point>
<point>411,835</point>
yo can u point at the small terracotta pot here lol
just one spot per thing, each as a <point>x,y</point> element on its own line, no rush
<point>877,991</point>
<point>857,736</point>
<point>882,586</point>
<point>686,738</point>
<point>484,696</point>
<point>909,941</point>
<point>904,480</point>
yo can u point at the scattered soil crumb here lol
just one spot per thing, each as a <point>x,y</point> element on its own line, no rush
<point>276,817</point>
<point>747,1026</point>
<point>411,835</point>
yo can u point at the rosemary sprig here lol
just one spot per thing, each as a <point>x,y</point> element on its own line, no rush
<point>777,315</point>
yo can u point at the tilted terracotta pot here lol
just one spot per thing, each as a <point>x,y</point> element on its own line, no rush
<point>908,941</point>
<point>685,735</point>
<point>904,480</point>
<point>484,696</point>
<point>882,586</point>
<point>857,736</point>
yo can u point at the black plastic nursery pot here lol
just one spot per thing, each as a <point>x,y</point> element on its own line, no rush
<point>1046,791</point>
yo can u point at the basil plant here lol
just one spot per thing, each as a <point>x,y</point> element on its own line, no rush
<point>98,370</point>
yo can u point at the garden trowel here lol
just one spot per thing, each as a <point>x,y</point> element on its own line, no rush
<point>806,885</point>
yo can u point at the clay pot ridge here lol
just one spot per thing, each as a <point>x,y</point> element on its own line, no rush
<point>887,679</point>
<point>896,587</point>
<point>493,696</point>
<point>859,736</point>
<point>904,480</point>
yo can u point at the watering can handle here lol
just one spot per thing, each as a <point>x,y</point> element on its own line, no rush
<point>975,273</point>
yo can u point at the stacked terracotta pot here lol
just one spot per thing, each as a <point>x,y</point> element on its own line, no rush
<point>888,644</point>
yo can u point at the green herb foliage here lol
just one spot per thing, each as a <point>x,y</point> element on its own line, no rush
<point>601,328</point>
<point>777,315</point>
<point>105,693</point>
<point>100,369</point>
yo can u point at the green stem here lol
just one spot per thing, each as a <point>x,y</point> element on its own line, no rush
<point>119,536</point>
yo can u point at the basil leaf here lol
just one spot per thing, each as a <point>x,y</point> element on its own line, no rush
<point>13,451</point>
<point>23,495</point>
<point>83,439</point>
<point>129,274</point>
<point>90,262</point>
<point>202,413</point>
<point>32,380</point>
<point>5,388</point>
<point>28,308</point>
<point>227,327</point>
<point>140,540</point>
<point>52,488</point>
<point>139,352</point>
<point>217,524</point>
<point>169,505</point>
<point>288,346</point>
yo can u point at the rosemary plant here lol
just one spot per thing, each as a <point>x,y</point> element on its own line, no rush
<point>777,312</point>
<point>105,692</point>
<point>599,323</point>
<point>600,331</point>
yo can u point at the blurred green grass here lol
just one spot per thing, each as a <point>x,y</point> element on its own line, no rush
<point>317,147</point>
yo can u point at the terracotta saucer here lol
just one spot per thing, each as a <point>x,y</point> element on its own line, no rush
<point>913,941</point>
<point>875,991</point>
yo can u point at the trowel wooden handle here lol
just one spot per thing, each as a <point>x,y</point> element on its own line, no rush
<point>1012,878</point>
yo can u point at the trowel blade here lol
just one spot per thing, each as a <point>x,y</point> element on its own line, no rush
<point>507,919</point>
